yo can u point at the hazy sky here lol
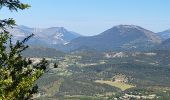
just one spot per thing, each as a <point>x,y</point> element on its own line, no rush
<point>89,17</point>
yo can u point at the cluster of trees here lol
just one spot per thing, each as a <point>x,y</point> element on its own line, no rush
<point>17,74</point>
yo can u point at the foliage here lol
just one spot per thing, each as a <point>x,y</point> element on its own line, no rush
<point>13,4</point>
<point>55,65</point>
<point>17,74</point>
<point>40,52</point>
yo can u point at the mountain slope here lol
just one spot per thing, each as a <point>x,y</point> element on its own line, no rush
<point>165,34</point>
<point>165,45</point>
<point>42,52</point>
<point>44,36</point>
<point>122,37</point>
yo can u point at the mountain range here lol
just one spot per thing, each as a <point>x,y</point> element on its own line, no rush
<point>47,37</point>
<point>121,37</point>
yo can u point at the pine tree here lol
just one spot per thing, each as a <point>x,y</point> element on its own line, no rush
<point>55,65</point>
<point>17,74</point>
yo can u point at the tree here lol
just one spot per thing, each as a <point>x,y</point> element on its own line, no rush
<point>17,74</point>
<point>55,65</point>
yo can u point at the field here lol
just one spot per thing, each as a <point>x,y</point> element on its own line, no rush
<point>120,85</point>
<point>81,97</point>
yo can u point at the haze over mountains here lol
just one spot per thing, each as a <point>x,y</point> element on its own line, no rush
<point>121,37</point>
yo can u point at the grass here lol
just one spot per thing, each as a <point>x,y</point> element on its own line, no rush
<point>82,97</point>
<point>120,85</point>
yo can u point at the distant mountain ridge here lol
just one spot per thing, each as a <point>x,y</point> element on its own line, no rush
<point>165,45</point>
<point>121,37</point>
<point>44,36</point>
<point>165,34</point>
<point>117,38</point>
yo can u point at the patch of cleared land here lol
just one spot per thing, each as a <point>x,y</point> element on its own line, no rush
<point>82,97</point>
<point>120,85</point>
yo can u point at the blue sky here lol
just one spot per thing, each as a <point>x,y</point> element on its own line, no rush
<point>90,17</point>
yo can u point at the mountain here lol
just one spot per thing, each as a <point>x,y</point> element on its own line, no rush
<point>121,37</point>
<point>165,34</point>
<point>38,51</point>
<point>44,36</point>
<point>165,45</point>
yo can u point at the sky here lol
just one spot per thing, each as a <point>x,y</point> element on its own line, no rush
<point>91,17</point>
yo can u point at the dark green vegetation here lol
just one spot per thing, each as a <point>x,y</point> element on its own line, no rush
<point>77,72</point>
<point>17,74</point>
<point>42,52</point>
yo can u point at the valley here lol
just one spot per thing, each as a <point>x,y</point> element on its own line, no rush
<point>95,76</point>
<point>84,50</point>
<point>125,62</point>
